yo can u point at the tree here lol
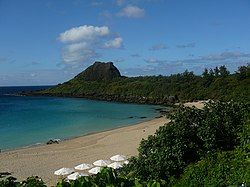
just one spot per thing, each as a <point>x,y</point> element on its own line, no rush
<point>211,73</point>
<point>208,77</point>
<point>205,73</point>
<point>223,71</point>
<point>216,71</point>
<point>243,72</point>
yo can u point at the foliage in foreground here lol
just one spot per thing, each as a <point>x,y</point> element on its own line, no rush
<point>29,182</point>
<point>221,169</point>
<point>109,177</point>
<point>191,135</point>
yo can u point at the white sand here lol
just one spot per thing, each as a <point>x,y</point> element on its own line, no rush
<point>45,159</point>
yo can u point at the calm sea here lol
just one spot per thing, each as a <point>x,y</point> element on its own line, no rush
<point>26,121</point>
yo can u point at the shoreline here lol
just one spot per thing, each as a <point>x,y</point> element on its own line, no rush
<point>42,160</point>
<point>44,142</point>
<point>38,144</point>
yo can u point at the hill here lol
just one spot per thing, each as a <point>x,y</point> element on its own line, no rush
<point>102,81</point>
<point>99,71</point>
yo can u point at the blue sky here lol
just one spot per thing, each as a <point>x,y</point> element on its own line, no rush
<point>50,41</point>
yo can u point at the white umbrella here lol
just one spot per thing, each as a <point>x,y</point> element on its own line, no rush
<point>95,170</point>
<point>64,171</point>
<point>126,162</point>
<point>101,163</point>
<point>115,165</point>
<point>76,175</point>
<point>118,158</point>
<point>83,166</point>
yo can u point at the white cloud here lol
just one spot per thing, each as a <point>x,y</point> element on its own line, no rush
<point>33,74</point>
<point>189,45</point>
<point>96,3</point>
<point>115,43</point>
<point>132,12</point>
<point>154,61</point>
<point>84,42</point>
<point>79,52</point>
<point>77,46</point>
<point>85,32</point>
<point>135,55</point>
<point>226,56</point>
<point>120,2</point>
<point>158,47</point>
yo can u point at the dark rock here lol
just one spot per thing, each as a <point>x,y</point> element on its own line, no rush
<point>4,174</point>
<point>100,71</point>
<point>172,99</point>
<point>158,109</point>
<point>52,142</point>
<point>158,116</point>
<point>143,117</point>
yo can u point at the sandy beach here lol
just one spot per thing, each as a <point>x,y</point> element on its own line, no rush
<point>45,159</point>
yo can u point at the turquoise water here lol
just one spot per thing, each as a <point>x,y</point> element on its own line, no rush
<point>27,121</point>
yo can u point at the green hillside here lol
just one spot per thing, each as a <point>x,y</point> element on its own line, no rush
<point>213,84</point>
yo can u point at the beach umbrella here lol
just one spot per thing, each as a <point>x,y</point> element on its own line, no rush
<point>83,166</point>
<point>118,158</point>
<point>126,162</point>
<point>101,163</point>
<point>95,170</point>
<point>76,175</point>
<point>115,165</point>
<point>64,171</point>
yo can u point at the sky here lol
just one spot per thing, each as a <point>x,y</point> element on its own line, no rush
<point>50,41</point>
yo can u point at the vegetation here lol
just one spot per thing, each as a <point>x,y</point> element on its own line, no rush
<point>217,84</point>
<point>191,135</point>
<point>109,177</point>
<point>30,182</point>
<point>226,168</point>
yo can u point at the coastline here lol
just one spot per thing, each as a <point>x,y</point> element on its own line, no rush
<point>77,136</point>
<point>42,160</point>
<point>78,122</point>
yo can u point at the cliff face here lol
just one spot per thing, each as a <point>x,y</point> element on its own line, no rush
<point>100,71</point>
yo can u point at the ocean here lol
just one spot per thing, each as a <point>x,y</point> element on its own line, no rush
<point>26,120</point>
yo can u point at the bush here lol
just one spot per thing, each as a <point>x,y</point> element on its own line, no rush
<point>191,135</point>
<point>29,182</point>
<point>221,169</point>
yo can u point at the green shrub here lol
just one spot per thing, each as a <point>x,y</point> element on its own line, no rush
<point>220,169</point>
<point>191,135</point>
<point>29,182</point>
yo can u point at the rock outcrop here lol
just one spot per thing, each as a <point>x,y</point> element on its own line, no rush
<point>100,71</point>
